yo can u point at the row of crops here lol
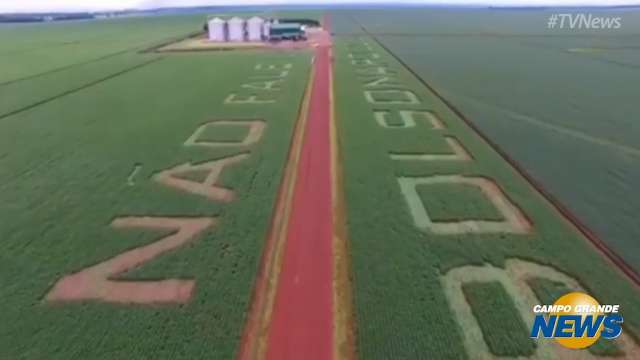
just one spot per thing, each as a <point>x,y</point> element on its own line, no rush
<point>156,161</point>
<point>462,243</point>
<point>560,102</point>
<point>31,50</point>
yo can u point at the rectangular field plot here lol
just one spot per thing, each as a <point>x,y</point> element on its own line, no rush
<point>505,332</point>
<point>224,133</point>
<point>450,214</point>
<point>470,202</point>
<point>404,247</point>
<point>121,239</point>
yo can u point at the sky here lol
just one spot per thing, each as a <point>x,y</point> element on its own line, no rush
<point>98,5</point>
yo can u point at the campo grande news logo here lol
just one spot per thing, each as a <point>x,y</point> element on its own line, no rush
<point>577,321</point>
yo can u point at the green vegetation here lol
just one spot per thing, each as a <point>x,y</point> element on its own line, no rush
<point>561,102</point>
<point>492,305</point>
<point>401,309</point>
<point>65,166</point>
<point>41,62</point>
<point>461,22</point>
<point>29,50</point>
<point>86,121</point>
<point>447,202</point>
<point>22,95</point>
<point>224,133</point>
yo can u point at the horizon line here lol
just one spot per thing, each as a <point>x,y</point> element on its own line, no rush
<point>401,3</point>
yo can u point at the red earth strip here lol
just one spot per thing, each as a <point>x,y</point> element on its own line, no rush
<point>302,320</point>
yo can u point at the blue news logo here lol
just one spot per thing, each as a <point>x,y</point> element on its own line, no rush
<point>576,321</point>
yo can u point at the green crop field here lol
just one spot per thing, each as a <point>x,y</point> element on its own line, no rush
<point>83,174</point>
<point>137,187</point>
<point>460,230</point>
<point>58,59</point>
<point>21,95</point>
<point>32,50</point>
<point>560,102</point>
<point>491,304</point>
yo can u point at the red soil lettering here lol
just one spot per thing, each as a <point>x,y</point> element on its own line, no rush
<point>207,188</point>
<point>94,282</point>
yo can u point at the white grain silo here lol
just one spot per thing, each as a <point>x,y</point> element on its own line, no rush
<point>266,30</point>
<point>217,29</point>
<point>254,28</point>
<point>235,25</point>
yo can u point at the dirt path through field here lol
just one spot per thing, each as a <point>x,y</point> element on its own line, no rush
<point>301,307</point>
<point>302,321</point>
<point>254,337</point>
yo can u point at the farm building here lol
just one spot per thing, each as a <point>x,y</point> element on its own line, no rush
<point>236,28</point>
<point>286,31</point>
<point>217,29</point>
<point>255,29</point>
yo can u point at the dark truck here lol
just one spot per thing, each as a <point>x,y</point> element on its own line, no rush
<point>286,31</point>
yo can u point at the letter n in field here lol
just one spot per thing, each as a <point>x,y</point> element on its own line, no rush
<point>96,283</point>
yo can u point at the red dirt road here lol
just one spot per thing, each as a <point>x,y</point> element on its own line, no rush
<point>302,323</point>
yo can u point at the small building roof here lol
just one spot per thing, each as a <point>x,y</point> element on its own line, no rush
<point>286,26</point>
<point>216,20</point>
<point>236,19</point>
